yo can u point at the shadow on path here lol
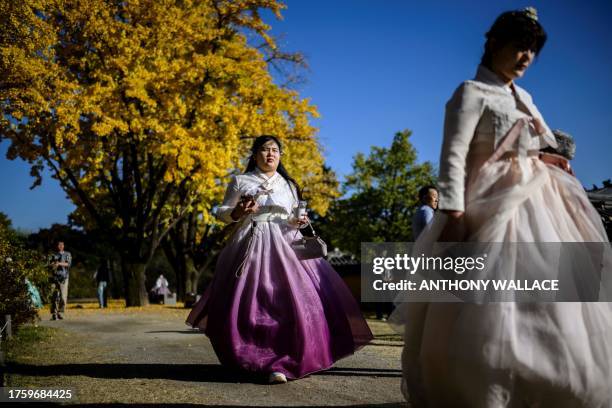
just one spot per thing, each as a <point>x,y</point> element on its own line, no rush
<point>119,405</point>
<point>374,343</point>
<point>361,372</point>
<point>180,372</point>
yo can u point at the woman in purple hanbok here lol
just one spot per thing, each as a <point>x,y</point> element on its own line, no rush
<point>266,311</point>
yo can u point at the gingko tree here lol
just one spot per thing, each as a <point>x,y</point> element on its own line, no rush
<point>191,248</point>
<point>141,108</point>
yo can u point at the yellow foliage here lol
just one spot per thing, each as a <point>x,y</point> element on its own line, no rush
<point>83,82</point>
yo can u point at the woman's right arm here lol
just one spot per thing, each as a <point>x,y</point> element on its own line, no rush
<point>231,199</point>
<point>463,112</point>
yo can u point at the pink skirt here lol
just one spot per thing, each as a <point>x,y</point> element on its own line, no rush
<point>507,354</point>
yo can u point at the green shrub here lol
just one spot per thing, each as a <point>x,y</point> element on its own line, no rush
<point>17,264</point>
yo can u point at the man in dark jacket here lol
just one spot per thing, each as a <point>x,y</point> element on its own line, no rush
<point>103,277</point>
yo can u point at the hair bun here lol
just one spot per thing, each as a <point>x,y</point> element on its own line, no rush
<point>531,12</point>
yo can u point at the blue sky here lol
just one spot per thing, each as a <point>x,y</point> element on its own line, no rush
<point>377,67</point>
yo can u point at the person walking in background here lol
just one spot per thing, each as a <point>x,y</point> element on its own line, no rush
<point>494,188</point>
<point>103,277</point>
<point>160,290</point>
<point>384,309</point>
<point>161,286</point>
<point>428,203</point>
<point>267,311</point>
<point>60,263</point>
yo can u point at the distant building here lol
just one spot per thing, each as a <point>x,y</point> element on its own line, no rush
<point>339,258</point>
<point>349,268</point>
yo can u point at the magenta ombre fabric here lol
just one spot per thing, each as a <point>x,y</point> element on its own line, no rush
<point>282,314</point>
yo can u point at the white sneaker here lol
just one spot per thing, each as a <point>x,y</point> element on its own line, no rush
<point>277,378</point>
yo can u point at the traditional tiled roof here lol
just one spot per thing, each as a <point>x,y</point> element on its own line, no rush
<point>601,194</point>
<point>337,257</point>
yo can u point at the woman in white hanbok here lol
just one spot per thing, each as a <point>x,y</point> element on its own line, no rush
<point>494,188</point>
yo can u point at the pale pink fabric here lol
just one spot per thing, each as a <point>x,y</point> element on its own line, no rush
<point>511,354</point>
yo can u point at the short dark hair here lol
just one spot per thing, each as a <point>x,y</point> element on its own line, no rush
<point>520,27</point>
<point>423,191</point>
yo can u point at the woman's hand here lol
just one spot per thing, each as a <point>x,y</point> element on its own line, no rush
<point>557,161</point>
<point>304,220</point>
<point>248,205</point>
<point>453,214</point>
<point>298,222</point>
<point>454,230</point>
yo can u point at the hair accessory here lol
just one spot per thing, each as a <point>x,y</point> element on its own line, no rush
<point>566,146</point>
<point>531,12</point>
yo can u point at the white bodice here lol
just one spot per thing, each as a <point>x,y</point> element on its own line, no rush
<point>478,116</point>
<point>276,195</point>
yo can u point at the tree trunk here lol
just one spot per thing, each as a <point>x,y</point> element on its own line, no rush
<point>191,278</point>
<point>186,275</point>
<point>173,250</point>
<point>134,282</point>
<point>181,276</point>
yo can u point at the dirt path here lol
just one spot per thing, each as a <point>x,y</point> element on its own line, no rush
<point>149,356</point>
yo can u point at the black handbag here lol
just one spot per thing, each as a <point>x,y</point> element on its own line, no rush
<point>309,247</point>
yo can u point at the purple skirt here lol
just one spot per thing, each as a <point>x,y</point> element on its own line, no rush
<point>281,314</point>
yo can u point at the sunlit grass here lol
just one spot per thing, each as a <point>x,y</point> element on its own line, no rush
<point>27,338</point>
<point>119,304</point>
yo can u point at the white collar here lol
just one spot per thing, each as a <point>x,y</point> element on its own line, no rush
<point>267,180</point>
<point>489,77</point>
<point>484,74</point>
